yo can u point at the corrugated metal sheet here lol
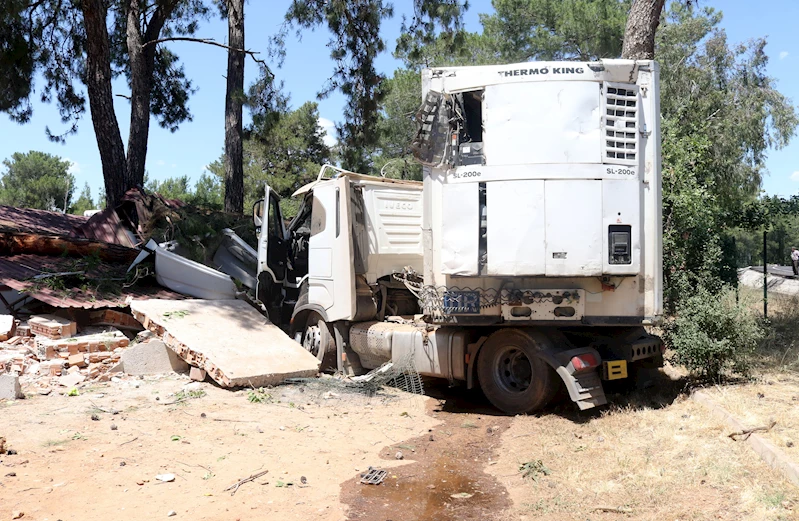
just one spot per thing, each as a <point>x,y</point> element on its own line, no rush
<point>29,220</point>
<point>18,272</point>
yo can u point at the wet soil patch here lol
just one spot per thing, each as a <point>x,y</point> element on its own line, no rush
<point>447,479</point>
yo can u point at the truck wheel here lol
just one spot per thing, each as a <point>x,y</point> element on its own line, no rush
<point>512,377</point>
<point>318,340</point>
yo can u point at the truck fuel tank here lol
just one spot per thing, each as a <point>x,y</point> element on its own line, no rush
<point>434,351</point>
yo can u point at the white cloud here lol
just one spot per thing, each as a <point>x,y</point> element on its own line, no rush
<point>795,176</point>
<point>330,128</point>
<point>74,167</point>
<point>160,162</point>
<point>783,55</point>
<point>174,165</point>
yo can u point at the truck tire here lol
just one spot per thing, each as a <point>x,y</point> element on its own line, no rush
<point>318,339</point>
<point>513,378</point>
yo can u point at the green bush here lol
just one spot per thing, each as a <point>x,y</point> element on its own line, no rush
<point>713,333</point>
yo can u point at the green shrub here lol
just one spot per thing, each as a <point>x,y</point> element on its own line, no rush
<point>713,333</point>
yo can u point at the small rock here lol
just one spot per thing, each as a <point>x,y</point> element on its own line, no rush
<point>95,418</point>
<point>16,514</point>
<point>600,439</point>
<point>171,513</point>
<point>461,495</point>
<point>431,487</point>
<point>202,415</point>
<point>122,463</point>
<point>259,430</point>
<point>11,475</point>
<point>11,452</point>
<point>157,398</point>
<point>193,386</point>
<point>166,478</point>
<point>431,438</point>
<point>140,482</point>
<point>303,480</point>
<point>114,427</point>
<point>282,428</point>
<point>789,443</point>
<point>399,455</point>
<point>761,395</point>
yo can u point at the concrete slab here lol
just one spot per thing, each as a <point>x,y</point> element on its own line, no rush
<point>10,388</point>
<point>152,357</point>
<point>229,339</point>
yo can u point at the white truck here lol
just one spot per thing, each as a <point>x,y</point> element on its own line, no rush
<point>529,258</point>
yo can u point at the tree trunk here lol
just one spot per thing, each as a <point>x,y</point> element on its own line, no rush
<point>639,34</point>
<point>101,100</point>
<point>142,67</point>
<point>234,98</point>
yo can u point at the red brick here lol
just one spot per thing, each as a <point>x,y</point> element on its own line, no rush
<point>77,360</point>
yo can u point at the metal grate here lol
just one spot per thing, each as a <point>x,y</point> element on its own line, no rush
<point>373,476</point>
<point>621,123</point>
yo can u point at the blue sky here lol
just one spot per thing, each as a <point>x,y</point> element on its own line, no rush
<point>306,69</point>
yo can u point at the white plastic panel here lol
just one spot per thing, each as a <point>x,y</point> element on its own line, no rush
<point>574,228</point>
<point>621,204</point>
<point>542,122</point>
<point>516,224</point>
<point>460,225</point>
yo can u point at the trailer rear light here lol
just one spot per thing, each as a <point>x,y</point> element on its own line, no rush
<point>584,361</point>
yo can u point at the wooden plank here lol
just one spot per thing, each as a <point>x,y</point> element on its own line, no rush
<point>19,243</point>
<point>229,339</point>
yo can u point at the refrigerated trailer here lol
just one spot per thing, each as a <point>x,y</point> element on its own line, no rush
<point>528,259</point>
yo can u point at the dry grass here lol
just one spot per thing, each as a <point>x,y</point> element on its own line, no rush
<point>775,396</point>
<point>674,462</point>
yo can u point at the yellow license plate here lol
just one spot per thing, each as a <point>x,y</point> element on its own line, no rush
<point>614,370</point>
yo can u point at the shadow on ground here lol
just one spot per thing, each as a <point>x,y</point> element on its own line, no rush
<point>655,390</point>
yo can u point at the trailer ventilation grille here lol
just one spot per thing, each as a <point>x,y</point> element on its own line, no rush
<point>621,123</point>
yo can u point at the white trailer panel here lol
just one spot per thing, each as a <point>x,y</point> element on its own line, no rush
<point>542,122</point>
<point>574,228</point>
<point>516,239</point>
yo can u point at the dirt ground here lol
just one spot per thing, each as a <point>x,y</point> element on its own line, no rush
<point>649,455</point>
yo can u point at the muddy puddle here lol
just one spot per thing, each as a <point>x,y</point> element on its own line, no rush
<point>446,480</point>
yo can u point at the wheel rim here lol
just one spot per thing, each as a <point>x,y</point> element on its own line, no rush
<point>312,340</point>
<point>512,370</point>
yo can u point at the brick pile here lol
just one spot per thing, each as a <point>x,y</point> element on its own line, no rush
<point>49,351</point>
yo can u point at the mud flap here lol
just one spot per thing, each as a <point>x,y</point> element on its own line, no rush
<point>585,389</point>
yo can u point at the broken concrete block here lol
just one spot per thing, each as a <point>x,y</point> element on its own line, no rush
<point>71,380</point>
<point>197,374</point>
<point>77,360</point>
<point>152,357</point>
<point>9,387</point>
<point>52,326</point>
<point>7,327</point>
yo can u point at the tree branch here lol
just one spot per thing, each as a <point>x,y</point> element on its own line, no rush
<point>207,41</point>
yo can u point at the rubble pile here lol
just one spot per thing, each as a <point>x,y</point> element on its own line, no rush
<point>50,351</point>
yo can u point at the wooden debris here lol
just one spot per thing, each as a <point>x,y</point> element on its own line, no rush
<point>745,433</point>
<point>235,486</point>
<point>613,510</point>
<point>18,243</point>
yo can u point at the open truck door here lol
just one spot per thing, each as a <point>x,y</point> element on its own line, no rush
<point>272,252</point>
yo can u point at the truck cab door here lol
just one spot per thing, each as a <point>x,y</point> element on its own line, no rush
<point>331,274</point>
<point>272,251</point>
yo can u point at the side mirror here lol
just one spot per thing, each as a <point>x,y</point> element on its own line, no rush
<point>258,213</point>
